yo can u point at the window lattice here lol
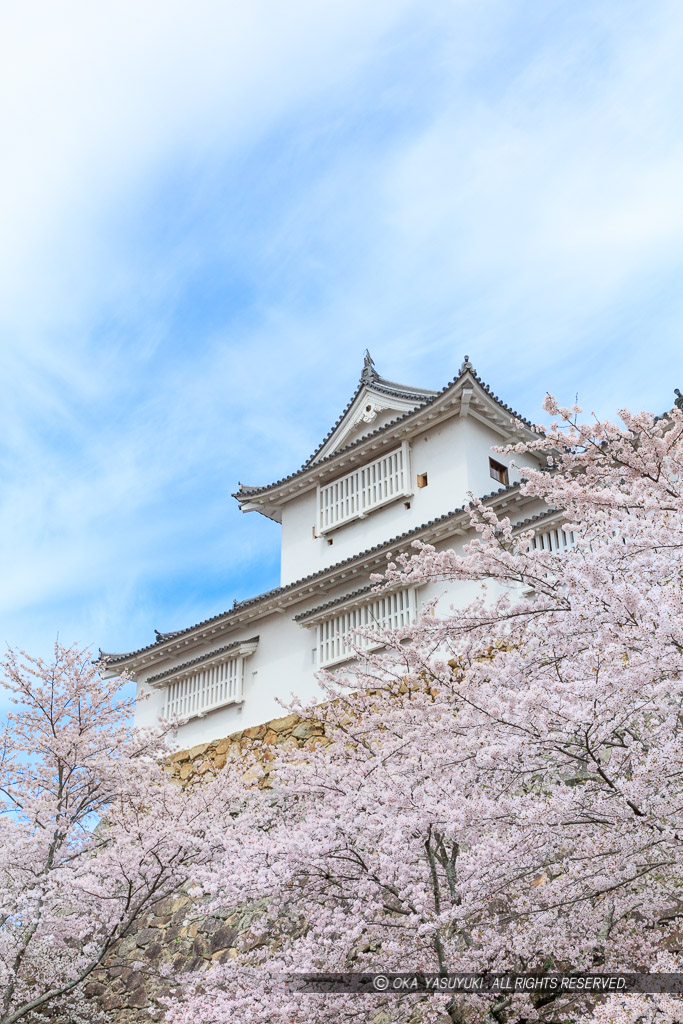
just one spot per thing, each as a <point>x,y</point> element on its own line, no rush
<point>366,488</point>
<point>553,540</point>
<point>204,690</point>
<point>390,611</point>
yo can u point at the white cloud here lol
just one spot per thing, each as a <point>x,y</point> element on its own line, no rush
<point>210,210</point>
<point>98,98</point>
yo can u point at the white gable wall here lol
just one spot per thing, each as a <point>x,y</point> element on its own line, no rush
<point>381,419</point>
<point>370,410</point>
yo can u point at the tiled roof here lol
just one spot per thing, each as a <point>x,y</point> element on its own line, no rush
<point>372,379</point>
<point>337,601</point>
<point>162,637</point>
<point>466,368</point>
<point>345,598</point>
<point>240,606</point>
<point>201,658</point>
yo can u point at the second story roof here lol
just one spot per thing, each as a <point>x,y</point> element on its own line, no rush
<point>380,412</point>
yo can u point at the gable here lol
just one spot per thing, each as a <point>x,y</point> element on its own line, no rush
<point>375,403</point>
<point>370,409</point>
<point>397,408</point>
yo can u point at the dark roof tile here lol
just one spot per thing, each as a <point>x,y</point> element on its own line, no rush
<point>201,658</point>
<point>466,368</point>
<point>113,659</point>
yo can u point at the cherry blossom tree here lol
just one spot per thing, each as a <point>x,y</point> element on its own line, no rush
<point>92,833</point>
<point>503,786</point>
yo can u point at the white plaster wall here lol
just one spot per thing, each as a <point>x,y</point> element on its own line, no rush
<point>283,663</point>
<point>455,456</point>
<point>299,549</point>
<point>481,441</point>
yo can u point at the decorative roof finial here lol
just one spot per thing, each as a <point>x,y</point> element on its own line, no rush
<point>679,399</point>
<point>369,373</point>
<point>466,365</point>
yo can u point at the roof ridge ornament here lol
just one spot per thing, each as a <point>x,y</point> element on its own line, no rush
<point>466,365</point>
<point>162,637</point>
<point>679,399</point>
<point>369,372</point>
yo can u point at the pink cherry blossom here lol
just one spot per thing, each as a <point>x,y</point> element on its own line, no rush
<point>504,790</point>
<point>93,834</point>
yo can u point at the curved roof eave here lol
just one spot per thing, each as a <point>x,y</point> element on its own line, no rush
<point>239,606</point>
<point>246,492</point>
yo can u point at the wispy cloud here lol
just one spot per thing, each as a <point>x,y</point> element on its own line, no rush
<point>209,212</point>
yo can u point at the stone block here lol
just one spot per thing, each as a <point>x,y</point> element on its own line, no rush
<point>180,755</point>
<point>289,743</point>
<point>138,998</point>
<point>256,732</point>
<point>222,938</point>
<point>145,936</point>
<point>197,750</point>
<point>307,729</point>
<point>127,945</point>
<point>112,1001</point>
<point>285,724</point>
<point>133,980</point>
<point>93,989</point>
<point>317,741</point>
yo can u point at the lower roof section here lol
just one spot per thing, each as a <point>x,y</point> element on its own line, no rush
<point>235,649</point>
<point>169,645</point>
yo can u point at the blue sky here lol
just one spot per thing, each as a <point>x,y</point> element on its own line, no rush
<point>209,211</point>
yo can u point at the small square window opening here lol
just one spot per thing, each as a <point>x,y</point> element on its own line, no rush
<point>499,472</point>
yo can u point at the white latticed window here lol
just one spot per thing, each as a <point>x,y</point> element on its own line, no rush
<point>216,684</point>
<point>390,611</point>
<point>366,488</point>
<point>553,540</point>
